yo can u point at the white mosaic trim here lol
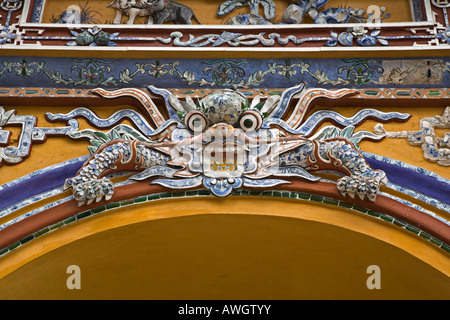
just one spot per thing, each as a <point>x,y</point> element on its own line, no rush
<point>24,203</point>
<point>405,165</point>
<point>419,196</point>
<point>415,206</point>
<point>407,203</point>
<point>48,206</point>
<point>42,171</point>
<point>33,212</point>
<point>47,194</point>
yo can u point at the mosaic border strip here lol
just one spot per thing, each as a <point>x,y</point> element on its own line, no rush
<point>395,76</point>
<point>14,192</point>
<point>43,196</point>
<point>419,196</point>
<point>186,194</point>
<point>405,165</point>
<point>371,93</point>
<point>405,93</point>
<point>412,178</point>
<point>26,202</point>
<point>42,171</point>
<point>44,92</point>
<point>424,198</point>
<point>34,92</point>
<point>12,208</point>
<point>47,194</point>
<point>415,206</point>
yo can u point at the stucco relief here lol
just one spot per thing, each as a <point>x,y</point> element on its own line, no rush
<point>434,147</point>
<point>224,142</point>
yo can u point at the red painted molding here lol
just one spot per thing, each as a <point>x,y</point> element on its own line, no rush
<point>30,225</point>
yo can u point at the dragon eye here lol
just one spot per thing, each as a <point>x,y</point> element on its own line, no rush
<point>196,121</point>
<point>250,120</point>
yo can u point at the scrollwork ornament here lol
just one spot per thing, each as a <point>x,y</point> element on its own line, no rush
<point>441,3</point>
<point>11,5</point>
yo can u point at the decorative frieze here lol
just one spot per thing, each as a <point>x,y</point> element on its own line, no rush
<point>225,142</point>
<point>224,73</point>
<point>340,27</point>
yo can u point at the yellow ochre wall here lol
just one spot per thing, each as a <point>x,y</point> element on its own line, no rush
<point>227,249</point>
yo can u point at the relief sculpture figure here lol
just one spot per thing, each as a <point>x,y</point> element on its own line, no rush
<point>171,11</point>
<point>157,11</point>
<point>131,8</point>
<point>223,142</point>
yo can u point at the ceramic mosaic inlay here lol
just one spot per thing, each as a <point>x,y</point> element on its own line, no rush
<point>89,27</point>
<point>435,148</point>
<point>224,142</point>
<point>224,73</point>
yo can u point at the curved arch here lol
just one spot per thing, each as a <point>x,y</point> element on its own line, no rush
<point>244,206</point>
<point>30,225</point>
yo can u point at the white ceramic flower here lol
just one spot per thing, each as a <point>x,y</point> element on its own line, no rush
<point>359,31</point>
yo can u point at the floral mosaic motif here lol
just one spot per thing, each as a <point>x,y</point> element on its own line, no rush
<point>22,68</point>
<point>434,148</point>
<point>360,71</point>
<point>358,33</point>
<point>223,142</point>
<point>156,70</point>
<point>92,37</point>
<point>91,72</point>
<point>224,72</point>
<point>228,73</point>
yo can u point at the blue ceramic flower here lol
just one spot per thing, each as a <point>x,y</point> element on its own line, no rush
<point>444,35</point>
